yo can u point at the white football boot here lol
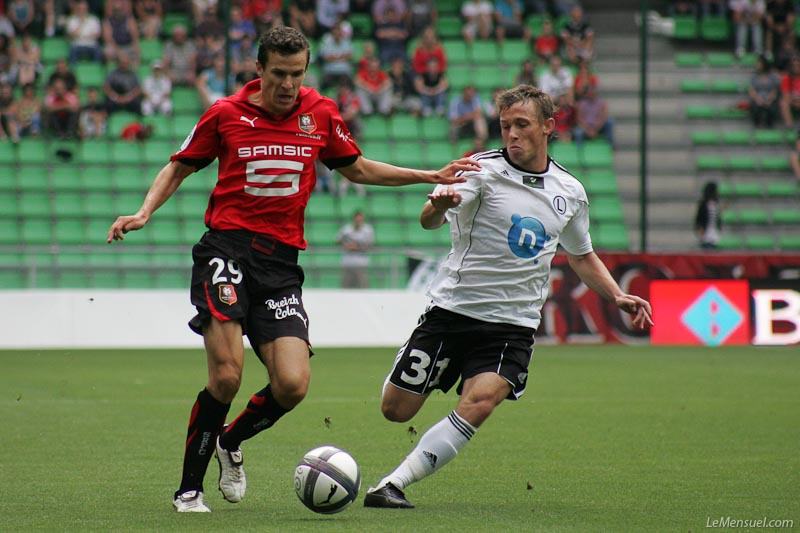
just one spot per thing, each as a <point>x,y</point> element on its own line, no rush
<point>232,482</point>
<point>190,501</point>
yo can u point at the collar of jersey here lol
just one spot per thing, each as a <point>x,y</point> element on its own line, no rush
<point>525,170</point>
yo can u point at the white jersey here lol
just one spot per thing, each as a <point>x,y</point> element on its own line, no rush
<point>504,236</point>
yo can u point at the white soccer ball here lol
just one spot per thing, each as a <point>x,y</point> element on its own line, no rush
<point>327,480</point>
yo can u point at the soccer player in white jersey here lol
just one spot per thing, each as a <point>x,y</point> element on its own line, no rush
<point>506,221</point>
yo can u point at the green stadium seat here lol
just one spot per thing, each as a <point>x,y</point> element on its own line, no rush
<point>376,128</point>
<point>786,216</point>
<point>748,60</point>
<point>597,154</point>
<point>780,163</point>
<point>129,178</point>
<point>685,27</point>
<point>610,236</point>
<point>95,152</point>
<point>760,242</point>
<point>68,204</point>
<point>535,22</point>
<point>98,204</point>
<point>689,59</point>
<point>710,162</point>
<point>390,233</point>
<point>90,74</point>
<point>172,18</point>
<point>734,113</point>
<point>380,151</point>
<point>31,178</point>
<point>132,279</point>
<point>514,52</point>
<point>725,86</point>
<point>185,100</point>
<point>752,216</point>
<point>484,53</point>
<point>715,28</point>
<point>745,188</point>
<point>781,189</point>
<point>10,231</point>
<point>789,242</point>
<point>434,128</point>
<point>384,206</point>
<point>10,205</point>
<point>32,151</point>
<point>35,204</point>
<point>706,137</point>
<point>439,153</point>
<point>118,121</point>
<point>694,85</point>
<point>321,234</point>
<point>37,231</point>
<point>605,209</point>
<point>182,125</point>
<point>8,153</point>
<point>409,154</point>
<point>420,237</point>
<point>600,182</point>
<point>323,206</point>
<point>162,127</point>
<point>96,178</point>
<point>54,48</point>
<point>65,178</point>
<point>701,111</point>
<point>126,152</point>
<point>192,205</point>
<point>151,50</point>
<point>13,278</point>
<point>362,25</point>
<point>769,137</point>
<point>565,154</point>
<point>736,137</point>
<point>459,77</point>
<point>449,27</point>
<point>485,78</point>
<point>742,162</point>
<point>167,279</point>
<point>720,59</point>
<point>404,128</point>
<point>69,231</point>
<point>128,202</point>
<point>156,152</point>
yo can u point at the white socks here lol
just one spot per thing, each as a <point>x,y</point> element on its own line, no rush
<point>437,447</point>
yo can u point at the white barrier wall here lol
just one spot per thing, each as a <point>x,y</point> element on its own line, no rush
<point>92,318</point>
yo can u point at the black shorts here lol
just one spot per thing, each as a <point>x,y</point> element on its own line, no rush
<point>445,346</point>
<point>250,278</point>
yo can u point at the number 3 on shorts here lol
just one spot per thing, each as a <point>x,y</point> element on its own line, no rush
<point>419,364</point>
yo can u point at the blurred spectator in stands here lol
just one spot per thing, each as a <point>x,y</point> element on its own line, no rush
<point>239,28</point>
<point>329,12</point>
<point>591,118</point>
<point>6,27</point>
<point>62,72</point>
<point>764,92</point>
<point>712,8</point>
<point>150,16</point>
<point>93,118</point>
<point>265,14</point>
<point>243,59</point>
<point>790,93</point>
<point>180,57</point>
<point>682,7</point>
<point>779,21</point>
<point>29,64</point>
<point>466,116</point>
<point>83,30</point>
<point>374,89</point>
<point>565,119</point>
<point>367,52</point>
<point>350,109</point>
<point>583,79</point>
<point>526,74</point>
<point>21,13</point>
<point>211,82</point>
<point>492,114</point>
<point>199,8</point>
<point>8,60</point>
<point>122,88</point>
<point>783,56</point>
<point>404,96</point>
<point>157,92</point>
<point>560,8</point>
<point>557,80</point>
<point>578,36</point>
<point>748,14</point>
<point>546,44</point>
<point>336,55</point>
<point>242,78</point>
<point>29,112</point>
<point>708,219</point>
<point>9,129</point>
<point>52,16</point>
<point>356,239</point>
<point>120,33</point>
<point>303,16</point>
<point>421,14</point>
<point>509,20</point>
<point>477,16</point>
<point>391,35</point>
<point>210,25</point>
<point>208,48</point>
<point>429,46</point>
<point>61,109</point>
<point>432,87</point>
<point>380,8</point>
<point>794,157</point>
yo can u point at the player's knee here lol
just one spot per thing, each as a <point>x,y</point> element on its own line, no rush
<point>394,411</point>
<point>224,384</point>
<point>290,392</point>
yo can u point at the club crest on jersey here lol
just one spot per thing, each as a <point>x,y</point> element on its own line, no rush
<point>227,294</point>
<point>534,182</point>
<point>307,123</point>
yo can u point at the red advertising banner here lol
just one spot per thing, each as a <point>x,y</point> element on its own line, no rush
<point>575,314</point>
<point>700,312</point>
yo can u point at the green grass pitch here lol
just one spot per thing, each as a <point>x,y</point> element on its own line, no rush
<point>607,438</point>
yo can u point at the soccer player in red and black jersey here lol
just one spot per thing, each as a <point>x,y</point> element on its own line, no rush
<point>245,278</point>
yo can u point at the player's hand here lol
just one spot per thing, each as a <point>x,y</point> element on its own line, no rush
<point>447,174</point>
<point>124,224</point>
<point>638,307</point>
<point>445,198</point>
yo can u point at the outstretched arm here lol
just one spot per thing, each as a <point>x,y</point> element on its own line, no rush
<point>165,184</point>
<point>371,172</point>
<point>434,210</point>
<point>596,276</point>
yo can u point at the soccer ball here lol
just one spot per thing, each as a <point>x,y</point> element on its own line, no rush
<point>327,480</point>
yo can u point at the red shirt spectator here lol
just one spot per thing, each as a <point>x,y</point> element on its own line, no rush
<point>429,46</point>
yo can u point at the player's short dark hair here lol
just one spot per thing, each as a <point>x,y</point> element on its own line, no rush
<point>283,40</point>
<point>522,94</point>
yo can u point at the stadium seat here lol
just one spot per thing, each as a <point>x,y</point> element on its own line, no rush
<point>32,150</point>
<point>321,234</point>
<point>126,152</point>
<point>769,136</point>
<point>685,27</point>
<point>715,28</point>
<point>351,203</point>
<point>35,204</point>
<point>8,153</point>
<point>710,162</point>
<point>706,137</point>
<point>9,205</point>
<point>69,231</point>
<point>600,182</point>
<point>151,50</point>
<point>610,236</point>
<point>434,128</point>
<point>732,136</point>
<point>459,77</point>
<point>95,152</point>
<point>485,78</point>
<point>606,209</point>
<point>745,188</point>
<point>37,231</point>
<point>185,100</point>
<point>689,59</point>
<point>65,178</point>
<point>781,189</point>
<point>31,177</point>
<point>90,74</point>
<point>54,48</point>
<point>449,27</point>
<point>700,111</point>
<point>760,242</point>
<point>514,52</point>
<point>484,53</point>
<point>390,233</point>
<point>565,154</point>
<point>172,18</point>
<point>376,128</point>
<point>742,162</point>
<point>786,216</point>
<point>720,59</point>
<point>726,86</point>
<point>438,153</point>
<point>362,26</point>
<point>68,204</point>
<point>789,242</point>
<point>10,231</point>
<point>408,154</point>
<point>125,178</point>
<point>597,154</point>
<point>98,204</point>
<point>404,128</point>
<point>323,206</point>
<point>780,163</point>
<point>382,207</point>
<point>694,85</point>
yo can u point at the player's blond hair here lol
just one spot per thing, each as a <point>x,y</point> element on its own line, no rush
<point>522,94</point>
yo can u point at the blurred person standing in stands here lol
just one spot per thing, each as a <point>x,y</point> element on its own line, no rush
<point>509,21</point>
<point>708,219</point>
<point>578,36</point>
<point>583,79</point>
<point>180,58</point>
<point>748,14</point>
<point>764,93</point>
<point>356,239</point>
<point>526,74</point>
<point>246,280</point>
<point>391,35</point>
